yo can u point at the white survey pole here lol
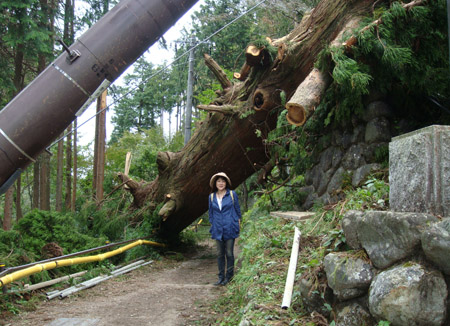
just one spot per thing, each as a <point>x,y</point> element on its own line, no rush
<point>287,297</point>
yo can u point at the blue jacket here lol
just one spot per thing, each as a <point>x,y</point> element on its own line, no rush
<point>225,222</point>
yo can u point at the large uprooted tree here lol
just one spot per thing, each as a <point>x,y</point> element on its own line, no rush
<point>230,139</point>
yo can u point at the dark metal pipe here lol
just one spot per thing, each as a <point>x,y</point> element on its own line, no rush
<point>44,109</point>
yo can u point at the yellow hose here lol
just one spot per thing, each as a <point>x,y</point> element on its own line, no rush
<point>72,261</point>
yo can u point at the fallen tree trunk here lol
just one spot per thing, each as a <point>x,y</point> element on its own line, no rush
<point>227,141</point>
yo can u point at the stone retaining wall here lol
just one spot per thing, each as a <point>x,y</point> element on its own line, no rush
<point>348,155</point>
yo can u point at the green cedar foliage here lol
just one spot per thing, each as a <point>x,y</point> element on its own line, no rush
<point>38,228</point>
<point>405,57</point>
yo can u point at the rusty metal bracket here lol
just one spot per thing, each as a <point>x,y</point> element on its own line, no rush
<point>72,54</point>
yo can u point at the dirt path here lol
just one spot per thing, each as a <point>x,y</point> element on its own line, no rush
<point>168,292</point>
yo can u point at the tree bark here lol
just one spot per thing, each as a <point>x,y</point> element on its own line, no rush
<point>7,212</point>
<point>36,174</point>
<point>44,182</point>
<point>234,144</point>
<point>19,213</point>
<point>68,167</point>
<point>75,167</point>
<point>59,176</point>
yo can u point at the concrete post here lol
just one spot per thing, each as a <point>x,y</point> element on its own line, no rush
<point>419,171</point>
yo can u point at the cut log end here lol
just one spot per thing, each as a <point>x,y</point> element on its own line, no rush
<point>296,114</point>
<point>253,51</point>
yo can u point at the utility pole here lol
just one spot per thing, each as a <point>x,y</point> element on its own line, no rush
<point>99,148</point>
<point>190,86</point>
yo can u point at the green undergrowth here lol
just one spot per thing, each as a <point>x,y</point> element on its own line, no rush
<point>69,233</point>
<point>257,290</point>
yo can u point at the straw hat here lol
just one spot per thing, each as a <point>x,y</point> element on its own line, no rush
<point>215,176</point>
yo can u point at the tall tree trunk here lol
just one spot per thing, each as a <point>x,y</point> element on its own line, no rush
<point>44,182</point>
<point>59,176</point>
<point>44,161</point>
<point>179,114</point>
<point>18,68</point>
<point>7,212</point>
<point>68,33</point>
<point>36,183</point>
<point>19,213</point>
<point>227,141</point>
<point>75,166</point>
<point>18,84</point>
<point>68,37</point>
<point>68,167</point>
<point>29,188</point>
<point>99,148</point>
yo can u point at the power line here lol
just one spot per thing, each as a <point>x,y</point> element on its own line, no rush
<point>159,71</point>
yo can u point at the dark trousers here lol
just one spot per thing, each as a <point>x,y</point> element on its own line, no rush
<point>225,253</point>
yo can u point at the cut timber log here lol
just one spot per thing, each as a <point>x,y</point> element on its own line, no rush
<point>307,96</point>
<point>217,71</point>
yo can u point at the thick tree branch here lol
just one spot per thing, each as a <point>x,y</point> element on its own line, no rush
<point>217,71</point>
<point>132,184</point>
<point>224,109</point>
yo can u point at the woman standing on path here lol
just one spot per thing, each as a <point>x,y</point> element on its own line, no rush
<point>225,219</point>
